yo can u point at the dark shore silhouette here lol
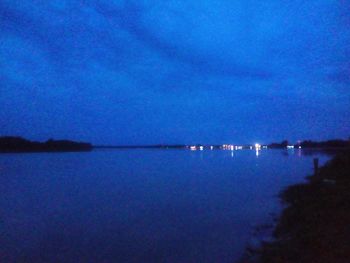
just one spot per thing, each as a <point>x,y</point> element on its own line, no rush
<point>10,144</point>
<point>315,225</point>
<point>18,144</point>
<point>158,146</point>
<point>337,143</point>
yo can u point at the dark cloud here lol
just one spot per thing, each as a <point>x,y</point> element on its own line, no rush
<point>341,76</point>
<point>174,71</point>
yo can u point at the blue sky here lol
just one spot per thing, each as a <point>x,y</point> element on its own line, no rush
<point>145,72</point>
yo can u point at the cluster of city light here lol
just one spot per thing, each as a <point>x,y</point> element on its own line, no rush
<point>292,147</point>
<point>195,148</point>
<point>257,149</point>
<point>227,146</point>
<point>231,147</point>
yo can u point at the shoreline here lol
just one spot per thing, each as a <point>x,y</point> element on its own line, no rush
<point>10,144</point>
<point>314,225</point>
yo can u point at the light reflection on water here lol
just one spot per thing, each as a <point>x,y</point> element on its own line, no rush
<point>140,205</point>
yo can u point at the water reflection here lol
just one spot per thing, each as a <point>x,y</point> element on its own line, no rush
<point>299,152</point>
<point>308,152</point>
<point>140,205</point>
<point>257,152</point>
<point>261,150</point>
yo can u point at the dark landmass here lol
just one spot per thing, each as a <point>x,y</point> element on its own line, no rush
<point>313,144</point>
<point>9,144</point>
<point>325,144</point>
<point>165,146</point>
<point>159,146</point>
<point>315,226</point>
<point>276,145</point>
<point>307,144</point>
<point>19,144</point>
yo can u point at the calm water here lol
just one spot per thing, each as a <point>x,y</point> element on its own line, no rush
<point>140,205</point>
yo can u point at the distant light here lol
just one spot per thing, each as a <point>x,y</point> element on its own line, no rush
<point>211,147</point>
<point>299,147</point>
<point>193,148</point>
<point>251,147</point>
<point>201,148</point>
<point>290,146</point>
<point>231,147</point>
<point>257,146</point>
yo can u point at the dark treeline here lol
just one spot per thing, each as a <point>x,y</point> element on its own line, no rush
<point>326,144</point>
<point>158,146</point>
<point>19,144</point>
<point>338,143</point>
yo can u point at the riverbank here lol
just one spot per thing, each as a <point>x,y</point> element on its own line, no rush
<point>11,144</point>
<point>315,225</point>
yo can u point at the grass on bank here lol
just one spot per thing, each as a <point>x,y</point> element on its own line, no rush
<point>315,226</point>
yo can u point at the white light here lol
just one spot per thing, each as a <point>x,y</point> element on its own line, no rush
<point>193,148</point>
<point>201,148</point>
<point>211,147</point>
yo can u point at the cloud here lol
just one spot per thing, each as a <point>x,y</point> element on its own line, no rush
<point>130,18</point>
<point>198,64</point>
<point>342,78</point>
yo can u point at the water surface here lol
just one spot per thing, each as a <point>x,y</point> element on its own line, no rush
<point>140,205</point>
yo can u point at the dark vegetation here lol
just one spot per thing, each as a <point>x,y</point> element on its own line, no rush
<point>158,146</point>
<point>276,145</point>
<point>10,144</point>
<point>326,144</point>
<point>315,227</point>
<point>313,144</point>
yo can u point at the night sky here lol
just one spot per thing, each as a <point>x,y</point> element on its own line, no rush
<point>151,72</point>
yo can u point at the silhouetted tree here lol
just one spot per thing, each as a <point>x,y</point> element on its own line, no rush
<point>284,143</point>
